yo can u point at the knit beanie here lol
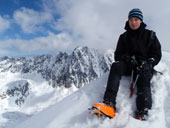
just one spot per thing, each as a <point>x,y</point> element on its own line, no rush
<point>136,13</point>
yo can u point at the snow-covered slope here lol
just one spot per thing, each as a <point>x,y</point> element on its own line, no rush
<point>31,84</point>
<point>72,111</point>
<point>22,95</point>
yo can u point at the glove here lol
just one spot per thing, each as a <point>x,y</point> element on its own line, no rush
<point>131,61</point>
<point>151,62</point>
<point>146,66</point>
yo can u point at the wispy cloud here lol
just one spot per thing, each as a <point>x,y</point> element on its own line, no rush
<point>50,43</point>
<point>4,24</point>
<point>4,52</point>
<point>102,21</point>
<point>31,21</point>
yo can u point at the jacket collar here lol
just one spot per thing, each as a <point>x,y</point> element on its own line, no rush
<point>141,28</point>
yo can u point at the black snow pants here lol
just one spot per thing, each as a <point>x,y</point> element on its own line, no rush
<point>118,69</point>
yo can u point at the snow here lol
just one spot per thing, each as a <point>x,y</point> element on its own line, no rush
<point>72,111</point>
<point>58,109</point>
<point>39,97</point>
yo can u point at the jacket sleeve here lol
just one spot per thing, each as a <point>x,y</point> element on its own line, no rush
<point>155,50</point>
<point>120,49</point>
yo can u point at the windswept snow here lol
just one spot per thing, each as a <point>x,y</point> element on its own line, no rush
<point>39,97</point>
<point>47,108</point>
<point>72,112</point>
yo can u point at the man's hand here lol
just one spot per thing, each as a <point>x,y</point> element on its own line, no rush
<point>130,60</point>
<point>146,66</point>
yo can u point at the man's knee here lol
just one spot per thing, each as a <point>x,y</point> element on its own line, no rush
<point>118,68</point>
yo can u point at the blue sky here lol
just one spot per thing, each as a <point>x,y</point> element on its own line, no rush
<point>19,22</point>
<point>48,26</point>
<point>9,7</point>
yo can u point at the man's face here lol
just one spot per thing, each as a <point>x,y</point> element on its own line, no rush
<point>134,23</point>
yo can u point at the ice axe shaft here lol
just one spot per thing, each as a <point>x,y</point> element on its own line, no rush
<point>133,84</point>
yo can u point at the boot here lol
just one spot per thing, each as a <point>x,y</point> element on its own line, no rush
<point>141,115</point>
<point>102,110</point>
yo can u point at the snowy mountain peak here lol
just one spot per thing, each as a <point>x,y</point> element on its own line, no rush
<point>73,70</point>
<point>78,68</point>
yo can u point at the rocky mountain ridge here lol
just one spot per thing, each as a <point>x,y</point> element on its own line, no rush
<point>79,68</point>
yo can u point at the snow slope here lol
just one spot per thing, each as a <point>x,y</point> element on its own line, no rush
<point>41,95</point>
<point>72,111</point>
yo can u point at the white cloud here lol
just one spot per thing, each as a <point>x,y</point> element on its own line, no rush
<point>4,24</point>
<point>31,21</point>
<point>3,52</point>
<point>52,42</point>
<point>93,23</point>
<point>99,22</point>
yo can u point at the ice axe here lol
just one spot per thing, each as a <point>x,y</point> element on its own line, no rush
<point>133,84</point>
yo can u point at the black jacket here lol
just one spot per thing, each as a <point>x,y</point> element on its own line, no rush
<point>138,43</point>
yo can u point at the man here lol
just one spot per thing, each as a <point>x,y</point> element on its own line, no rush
<point>138,51</point>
